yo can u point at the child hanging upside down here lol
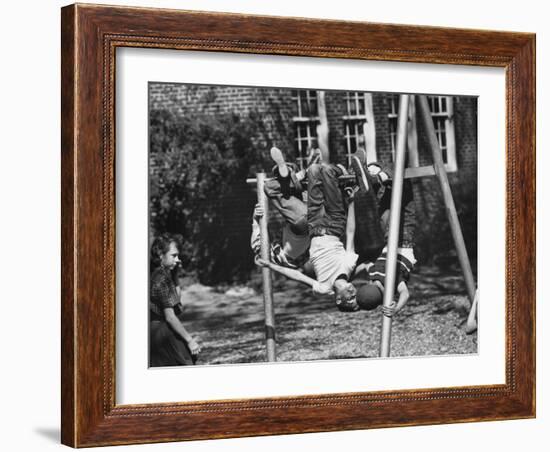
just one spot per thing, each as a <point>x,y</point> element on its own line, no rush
<point>321,225</point>
<point>285,190</point>
<point>328,219</point>
<point>369,277</point>
<point>369,280</point>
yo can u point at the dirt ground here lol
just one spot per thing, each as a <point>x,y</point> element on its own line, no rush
<point>228,322</point>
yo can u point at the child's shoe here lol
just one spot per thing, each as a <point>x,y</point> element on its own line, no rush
<point>279,257</point>
<point>315,156</point>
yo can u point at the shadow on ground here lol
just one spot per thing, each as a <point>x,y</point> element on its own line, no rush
<point>230,323</point>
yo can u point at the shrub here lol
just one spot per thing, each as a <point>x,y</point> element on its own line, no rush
<point>198,168</point>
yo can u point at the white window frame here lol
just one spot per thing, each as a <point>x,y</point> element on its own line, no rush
<point>362,124</point>
<point>309,121</point>
<point>448,120</point>
<point>392,122</point>
<point>412,139</point>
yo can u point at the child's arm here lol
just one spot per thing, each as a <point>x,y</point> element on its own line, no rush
<point>296,275</point>
<point>350,229</point>
<point>255,237</point>
<point>394,308</point>
<point>178,327</point>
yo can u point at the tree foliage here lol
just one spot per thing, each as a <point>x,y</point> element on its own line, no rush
<point>198,170</point>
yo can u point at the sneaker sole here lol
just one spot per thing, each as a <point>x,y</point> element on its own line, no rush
<point>278,157</point>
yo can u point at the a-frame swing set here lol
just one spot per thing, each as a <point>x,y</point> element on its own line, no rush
<point>400,173</point>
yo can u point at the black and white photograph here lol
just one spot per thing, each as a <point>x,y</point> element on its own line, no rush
<point>295,224</point>
<point>275,226</point>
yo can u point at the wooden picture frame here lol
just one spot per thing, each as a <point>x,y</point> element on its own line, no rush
<point>90,36</point>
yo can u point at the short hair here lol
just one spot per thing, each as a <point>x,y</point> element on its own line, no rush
<point>369,297</point>
<point>160,246</point>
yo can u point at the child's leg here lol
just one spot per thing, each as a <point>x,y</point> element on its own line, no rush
<point>369,236</point>
<point>326,210</point>
<point>292,209</point>
<point>350,229</point>
<point>408,213</point>
<point>285,174</point>
<point>285,195</point>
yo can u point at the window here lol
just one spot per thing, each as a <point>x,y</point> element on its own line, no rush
<point>442,114</point>
<point>441,108</point>
<point>359,122</point>
<point>392,119</point>
<point>305,123</point>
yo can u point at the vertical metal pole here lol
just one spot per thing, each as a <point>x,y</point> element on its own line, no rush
<point>395,218</point>
<point>322,127</point>
<point>450,208</point>
<point>412,136</point>
<point>369,130</point>
<point>266,272</point>
<point>471,323</point>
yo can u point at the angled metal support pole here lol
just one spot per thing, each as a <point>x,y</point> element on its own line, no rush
<point>266,271</point>
<point>395,218</point>
<point>450,208</point>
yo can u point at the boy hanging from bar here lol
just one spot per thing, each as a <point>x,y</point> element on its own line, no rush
<point>285,190</point>
<point>328,219</point>
<point>331,214</point>
<point>369,277</point>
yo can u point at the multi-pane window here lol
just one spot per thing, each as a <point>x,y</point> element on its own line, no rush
<point>305,120</point>
<point>441,108</point>
<point>352,135</point>
<point>354,121</point>
<point>392,120</point>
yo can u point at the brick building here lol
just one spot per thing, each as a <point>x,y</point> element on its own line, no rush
<point>291,117</point>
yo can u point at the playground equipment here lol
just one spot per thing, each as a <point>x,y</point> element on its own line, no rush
<point>395,215</point>
<point>266,272</point>
<point>400,173</point>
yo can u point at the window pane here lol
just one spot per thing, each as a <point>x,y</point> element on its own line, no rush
<point>393,133</point>
<point>304,106</point>
<point>313,131</point>
<point>361,99</point>
<point>351,107</point>
<point>312,103</point>
<point>352,144</point>
<point>301,131</point>
<point>313,107</point>
<point>393,104</point>
<point>436,108</point>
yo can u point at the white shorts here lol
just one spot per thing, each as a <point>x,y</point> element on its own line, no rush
<point>330,259</point>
